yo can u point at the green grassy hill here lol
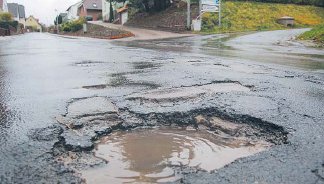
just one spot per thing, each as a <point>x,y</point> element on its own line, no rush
<point>254,16</point>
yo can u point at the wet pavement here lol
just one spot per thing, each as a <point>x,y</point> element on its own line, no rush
<point>59,95</point>
<point>276,47</point>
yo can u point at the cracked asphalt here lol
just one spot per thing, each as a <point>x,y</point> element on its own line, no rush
<point>274,83</point>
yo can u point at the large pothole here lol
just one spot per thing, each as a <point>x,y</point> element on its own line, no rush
<point>158,155</point>
<point>105,144</point>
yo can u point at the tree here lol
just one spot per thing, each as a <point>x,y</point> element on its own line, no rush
<point>111,12</point>
<point>151,5</point>
<point>146,5</point>
<point>58,20</point>
<point>111,9</point>
<point>5,17</point>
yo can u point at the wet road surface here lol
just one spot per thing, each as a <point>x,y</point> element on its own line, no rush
<point>276,47</point>
<point>42,76</point>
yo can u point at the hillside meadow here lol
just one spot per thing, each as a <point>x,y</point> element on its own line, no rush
<point>255,16</point>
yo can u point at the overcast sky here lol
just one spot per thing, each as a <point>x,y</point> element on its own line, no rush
<point>44,10</point>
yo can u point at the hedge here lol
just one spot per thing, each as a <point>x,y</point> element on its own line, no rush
<point>73,26</point>
<point>5,25</point>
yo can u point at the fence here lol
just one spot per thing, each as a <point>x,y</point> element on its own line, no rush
<point>4,32</point>
<point>10,30</point>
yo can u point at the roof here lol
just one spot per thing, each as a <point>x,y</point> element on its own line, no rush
<point>287,18</point>
<point>63,15</point>
<point>21,11</point>
<point>76,4</point>
<point>32,17</point>
<point>92,4</point>
<point>13,9</point>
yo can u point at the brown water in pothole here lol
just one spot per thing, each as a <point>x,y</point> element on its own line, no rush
<point>152,156</point>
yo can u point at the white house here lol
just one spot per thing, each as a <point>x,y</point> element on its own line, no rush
<point>18,12</point>
<point>72,11</point>
<point>106,8</point>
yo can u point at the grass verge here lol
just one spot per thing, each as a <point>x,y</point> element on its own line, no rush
<point>254,16</point>
<point>316,35</point>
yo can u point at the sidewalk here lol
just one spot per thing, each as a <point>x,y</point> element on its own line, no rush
<point>141,34</point>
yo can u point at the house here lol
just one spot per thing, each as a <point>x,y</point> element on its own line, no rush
<point>106,9</point>
<point>18,12</point>
<point>91,9</point>
<point>3,6</point>
<point>72,12</point>
<point>32,24</point>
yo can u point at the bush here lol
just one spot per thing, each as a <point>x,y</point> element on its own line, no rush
<point>73,26</point>
<point>6,24</point>
<point>66,27</point>
<point>5,17</point>
<point>6,21</point>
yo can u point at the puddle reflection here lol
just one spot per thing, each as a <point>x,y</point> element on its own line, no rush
<point>152,155</point>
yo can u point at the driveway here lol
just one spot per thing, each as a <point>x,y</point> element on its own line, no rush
<point>141,34</point>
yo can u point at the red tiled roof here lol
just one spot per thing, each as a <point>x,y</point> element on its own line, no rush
<point>123,9</point>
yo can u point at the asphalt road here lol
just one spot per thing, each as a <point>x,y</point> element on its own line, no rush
<point>41,73</point>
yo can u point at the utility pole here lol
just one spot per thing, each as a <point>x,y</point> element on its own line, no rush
<point>199,7</point>
<point>188,15</point>
<point>57,24</point>
<point>219,14</point>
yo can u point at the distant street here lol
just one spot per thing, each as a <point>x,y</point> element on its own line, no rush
<point>266,79</point>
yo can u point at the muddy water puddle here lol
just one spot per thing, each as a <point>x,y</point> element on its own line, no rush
<point>157,155</point>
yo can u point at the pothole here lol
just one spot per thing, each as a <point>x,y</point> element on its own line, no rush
<point>90,106</point>
<point>98,86</point>
<point>145,65</point>
<point>158,155</point>
<point>123,81</point>
<point>88,63</point>
<point>106,145</point>
<point>189,92</point>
